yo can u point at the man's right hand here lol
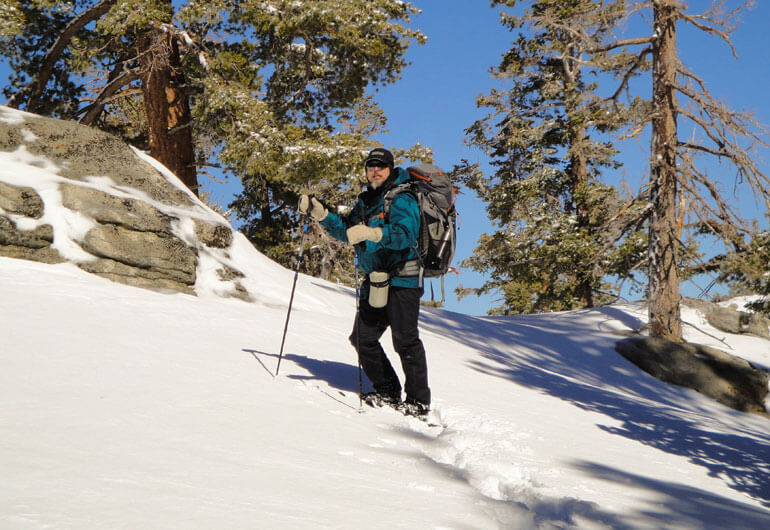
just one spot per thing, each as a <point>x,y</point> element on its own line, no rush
<point>317,210</point>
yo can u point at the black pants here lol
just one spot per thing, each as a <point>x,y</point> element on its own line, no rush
<point>401,314</point>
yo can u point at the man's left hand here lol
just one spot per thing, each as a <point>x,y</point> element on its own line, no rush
<point>359,233</point>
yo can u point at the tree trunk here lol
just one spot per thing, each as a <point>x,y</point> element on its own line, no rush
<point>579,170</point>
<point>167,106</point>
<point>664,317</point>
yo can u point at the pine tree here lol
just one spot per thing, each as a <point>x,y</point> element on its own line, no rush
<point>11,19</point>
<point>747,268</point>
<point>31,32</point>
<point>548,138</point>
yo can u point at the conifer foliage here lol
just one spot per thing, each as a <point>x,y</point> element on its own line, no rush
<point>560,227</point>
<point>271,91</point>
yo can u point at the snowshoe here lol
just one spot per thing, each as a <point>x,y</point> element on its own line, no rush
<point>377,400</point>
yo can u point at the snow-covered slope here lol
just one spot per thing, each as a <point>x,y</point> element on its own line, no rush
<point>126,408</point>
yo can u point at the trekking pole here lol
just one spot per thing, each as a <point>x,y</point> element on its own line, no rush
<point>358,335</point>
<point>293,287</point>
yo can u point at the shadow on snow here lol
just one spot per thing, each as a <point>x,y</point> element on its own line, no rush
<point>342,376</point>
<point>553,354</point>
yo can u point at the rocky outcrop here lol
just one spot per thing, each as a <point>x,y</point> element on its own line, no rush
<point>727,379</point>
<point>104,208</point>
<point>165,255</point>
<point>130,214</point>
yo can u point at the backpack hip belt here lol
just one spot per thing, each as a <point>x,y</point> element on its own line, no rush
<point>408,268</point>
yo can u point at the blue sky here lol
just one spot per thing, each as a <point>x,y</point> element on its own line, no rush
<point>434,103</point>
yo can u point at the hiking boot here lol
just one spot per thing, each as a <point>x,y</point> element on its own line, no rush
<point>414,408</point>
<point>377,399</point>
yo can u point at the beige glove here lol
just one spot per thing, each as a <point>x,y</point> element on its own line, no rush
<point>317,210</point>
<point>359,233</point>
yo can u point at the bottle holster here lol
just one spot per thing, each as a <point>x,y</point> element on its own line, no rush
<point>379,281</point>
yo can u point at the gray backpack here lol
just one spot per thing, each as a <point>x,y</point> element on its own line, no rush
<point>438,220</point>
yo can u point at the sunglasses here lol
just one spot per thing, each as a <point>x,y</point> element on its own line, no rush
<point>376,163</point>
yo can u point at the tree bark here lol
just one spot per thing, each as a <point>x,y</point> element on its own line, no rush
<point>579,170</point>
<point>664,316</point>
<point>167,106</point>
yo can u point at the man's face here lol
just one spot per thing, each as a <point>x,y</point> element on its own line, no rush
<point>377,173</point>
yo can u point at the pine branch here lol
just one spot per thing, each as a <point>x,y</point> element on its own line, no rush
<point>697,147</point>
<point>627,76</point>
<point>619,44</point>
<point>690,174</point>
<point>709,129</point>
<point>741,123</point>
<point>37,85</point>
<point>724,35</point>
<point>722,121</point>
<point>708,22</point>
<point>623,229</point>
<point>187,41</point>
<point>124,78</point>
<point>637,130</point>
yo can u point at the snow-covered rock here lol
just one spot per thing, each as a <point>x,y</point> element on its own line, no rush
<point>92,200</point>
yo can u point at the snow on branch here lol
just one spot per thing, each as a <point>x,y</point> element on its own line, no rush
<point>184,37</point>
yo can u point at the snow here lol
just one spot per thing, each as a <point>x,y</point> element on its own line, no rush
<point>128,408</point>
<point>13,116</point>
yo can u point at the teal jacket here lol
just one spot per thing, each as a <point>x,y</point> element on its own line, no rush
<point>399,234</point>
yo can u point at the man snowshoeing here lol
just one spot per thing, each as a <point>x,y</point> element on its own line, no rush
<point>383,244</point>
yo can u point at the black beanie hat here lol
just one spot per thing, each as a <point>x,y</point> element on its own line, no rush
<point>380,155</point>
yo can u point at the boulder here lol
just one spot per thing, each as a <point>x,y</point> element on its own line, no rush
<point>83,152</point>
<point>731,320</point>
<point>108,209</point>
<point>34,245</point>
<point>214,236</point>
<point>138,277</point>
<point>727,379</point>
<point>166,255</point>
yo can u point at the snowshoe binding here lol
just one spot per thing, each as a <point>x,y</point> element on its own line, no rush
<point>414,408</point>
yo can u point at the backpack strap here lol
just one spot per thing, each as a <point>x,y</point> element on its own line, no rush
<point>412,267</point>
<point>404,187</point>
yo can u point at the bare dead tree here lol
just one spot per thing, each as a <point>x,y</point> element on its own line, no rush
<point>680,98</point>
<point>665,320</point>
